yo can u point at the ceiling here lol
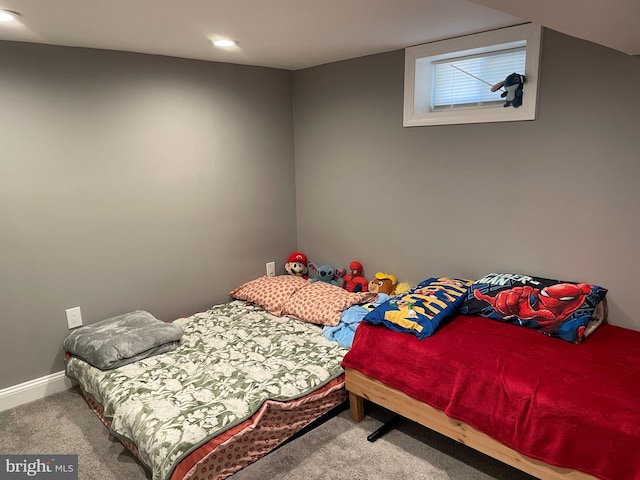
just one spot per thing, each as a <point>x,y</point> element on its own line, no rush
<point>295,34</point>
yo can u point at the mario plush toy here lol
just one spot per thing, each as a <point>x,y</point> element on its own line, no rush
<point>297,265</point>
<point>354,281</point>
<point>513,86</point>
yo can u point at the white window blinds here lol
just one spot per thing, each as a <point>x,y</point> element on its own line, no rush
<point>466,81</point>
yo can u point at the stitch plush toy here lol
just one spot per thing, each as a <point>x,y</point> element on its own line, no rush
<point>513,86</point>
<point>297,265</point>
<point>325,273</point>
<point>354,281</point>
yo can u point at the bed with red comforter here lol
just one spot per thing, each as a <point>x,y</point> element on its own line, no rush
<point>549,407</point>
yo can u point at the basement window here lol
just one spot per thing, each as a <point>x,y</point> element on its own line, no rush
<point>449,82</point>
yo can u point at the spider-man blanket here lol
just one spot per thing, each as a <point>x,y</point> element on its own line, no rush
<point>573,406</point>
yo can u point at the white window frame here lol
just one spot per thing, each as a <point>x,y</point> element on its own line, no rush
<point>477,43</point>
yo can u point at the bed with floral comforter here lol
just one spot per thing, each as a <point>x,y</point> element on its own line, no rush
<point>235,361</point>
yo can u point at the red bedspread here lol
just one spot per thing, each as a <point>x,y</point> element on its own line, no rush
<point>574,406</point>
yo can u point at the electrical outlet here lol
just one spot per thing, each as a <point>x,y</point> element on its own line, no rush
<point>271,269</point>
<point>74,317</point>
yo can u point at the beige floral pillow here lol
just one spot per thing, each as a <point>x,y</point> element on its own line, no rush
<point>323,303</point>
<point>270,293</point>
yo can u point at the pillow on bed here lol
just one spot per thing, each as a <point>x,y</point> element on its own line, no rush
<point>423,308</point>
<point>323,303</point>
<point>124,339</point>
<point>270,293</point>
<point>553,307</point>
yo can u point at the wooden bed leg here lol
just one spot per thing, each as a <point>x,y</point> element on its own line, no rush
<point>356,407</point>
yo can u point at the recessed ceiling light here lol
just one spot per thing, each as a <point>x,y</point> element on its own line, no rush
<point>223,42</point>
<point>8,16</point>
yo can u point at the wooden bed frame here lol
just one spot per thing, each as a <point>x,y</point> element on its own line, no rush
<point>361,387</point>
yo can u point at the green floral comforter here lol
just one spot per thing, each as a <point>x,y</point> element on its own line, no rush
<point>232,358</point>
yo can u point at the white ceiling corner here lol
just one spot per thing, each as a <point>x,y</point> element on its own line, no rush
<point>295,34</point>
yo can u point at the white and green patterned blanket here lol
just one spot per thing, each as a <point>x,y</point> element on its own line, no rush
<point>232,358</point>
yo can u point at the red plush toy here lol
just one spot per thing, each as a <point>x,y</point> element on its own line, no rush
<point>297,265</point>
<point>355,281</point>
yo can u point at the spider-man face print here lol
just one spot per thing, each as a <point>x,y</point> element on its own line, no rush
<point>552,307</point>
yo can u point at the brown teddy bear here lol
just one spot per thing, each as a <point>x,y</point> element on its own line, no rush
<point>383,283</point>
<point>387,283</point>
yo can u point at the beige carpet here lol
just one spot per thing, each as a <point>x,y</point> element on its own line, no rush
<point>64,424</point>
<point>336,449</point>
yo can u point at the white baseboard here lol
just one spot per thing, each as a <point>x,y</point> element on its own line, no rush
<point>33,390</point>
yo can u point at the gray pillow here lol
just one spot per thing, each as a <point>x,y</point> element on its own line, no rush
<point>123,339</point>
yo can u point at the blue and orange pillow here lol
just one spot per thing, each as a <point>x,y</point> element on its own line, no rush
<point>423,308</point>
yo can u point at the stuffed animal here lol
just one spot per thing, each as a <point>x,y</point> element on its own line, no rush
<point>297,265</point>
<point>513,86</point>
<point>388,284</point>
<point>402,287</point>
<point>325,273</point>
<point>383,283</point>
<point>354,281</point>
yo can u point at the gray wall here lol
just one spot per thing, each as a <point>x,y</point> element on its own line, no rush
<point>133,181</point>
<point>556,197</point>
